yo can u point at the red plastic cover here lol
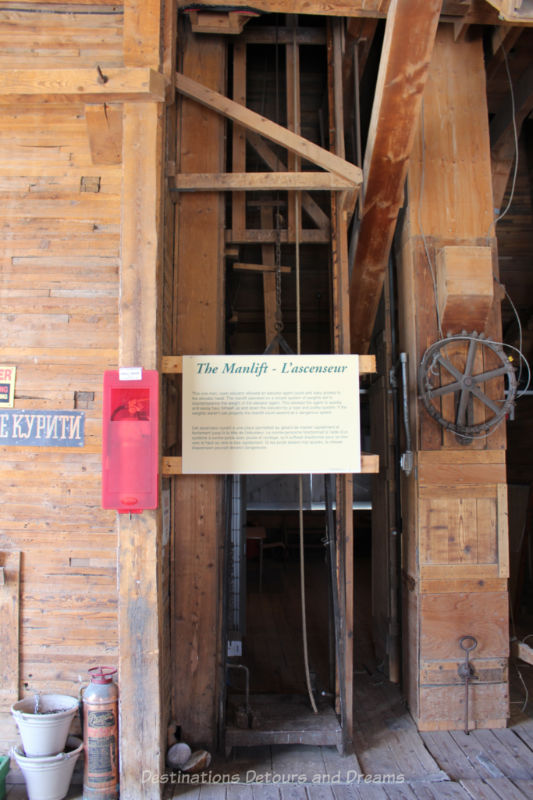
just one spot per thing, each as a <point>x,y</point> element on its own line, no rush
<point>130,442</point>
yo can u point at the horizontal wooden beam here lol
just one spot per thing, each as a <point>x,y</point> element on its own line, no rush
<point>172,465</point>
<point>114,85</point>
<point>336,8</point>
<point>266,236</point>
<point>173,365</point>
<point>258,181</point>
<point>266,34</point>
<point>260,268</point>
<point>270,130</point>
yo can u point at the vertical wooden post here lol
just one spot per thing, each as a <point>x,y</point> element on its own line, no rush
<point>341,342</point>
<point>455,529</point>
<point>140,601</point>
<point>199,328</point>
<point>142,723</point>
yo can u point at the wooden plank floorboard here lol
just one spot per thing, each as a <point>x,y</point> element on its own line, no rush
<point>501,753</point>
<point>265,792</point>
<point>359,791</point>
<point>346,767</point>
<point>415,761</point>
<point>449,755</point>
<point>511,790</point>
<point>208,792</point>
<point>477,756</point>
<point>288,792</point>
<point>524,729</point>
<point>445,790</point>
<point>320,793</point>
<point>239,792</point>
<point>385,730</point>
<point>479,790</point>
<point>399,792</point>
<point>298,762</point>
<point>520,749</point>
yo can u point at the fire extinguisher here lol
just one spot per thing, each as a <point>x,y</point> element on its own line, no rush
<point>100,735</point>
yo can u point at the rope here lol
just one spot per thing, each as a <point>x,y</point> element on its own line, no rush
<point>299,350</point>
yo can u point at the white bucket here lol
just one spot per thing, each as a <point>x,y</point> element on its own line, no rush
<point>48,777</point>
<point>44,730</point>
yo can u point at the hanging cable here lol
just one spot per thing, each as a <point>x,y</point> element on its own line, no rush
<point>515,137</point>
<point>298,351</point>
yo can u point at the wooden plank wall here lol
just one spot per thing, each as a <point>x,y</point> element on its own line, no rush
<point>455,501</point>
<point>59,262</point>
<point>31,32</point>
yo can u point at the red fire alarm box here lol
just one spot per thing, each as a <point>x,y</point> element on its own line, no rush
<point>130,440</point>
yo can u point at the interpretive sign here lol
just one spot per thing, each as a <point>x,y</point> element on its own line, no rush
<point>42,428</point>
<point>271,414</point>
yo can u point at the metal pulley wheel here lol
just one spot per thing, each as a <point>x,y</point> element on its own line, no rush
<point>478,375</point>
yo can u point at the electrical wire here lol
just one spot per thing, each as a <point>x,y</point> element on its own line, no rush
<point>515,135</point>
<point>526,700</point>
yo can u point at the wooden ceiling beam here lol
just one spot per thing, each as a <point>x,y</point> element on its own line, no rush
<point>472,11</point>
<point>407,47</point>
<point>336,8</point>
<point>270,130</point>
<point>264,236</point>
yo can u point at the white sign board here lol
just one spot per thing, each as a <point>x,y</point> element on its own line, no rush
<point>271,414</point>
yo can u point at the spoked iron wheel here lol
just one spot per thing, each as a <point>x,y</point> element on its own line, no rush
<point>477,374</point>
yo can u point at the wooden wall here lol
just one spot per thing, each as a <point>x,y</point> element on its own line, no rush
<point>59,261</point>
<point>73,212</point>
<point>455,501</point>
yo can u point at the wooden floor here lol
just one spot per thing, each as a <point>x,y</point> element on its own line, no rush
<point>392,761</point>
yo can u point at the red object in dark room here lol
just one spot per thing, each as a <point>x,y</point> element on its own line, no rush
<point>130,442</point>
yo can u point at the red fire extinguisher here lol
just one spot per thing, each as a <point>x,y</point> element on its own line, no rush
<point>100,735</point>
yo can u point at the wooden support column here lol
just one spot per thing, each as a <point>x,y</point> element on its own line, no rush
<point>198,526</point>
<point>455,559</point>
<point>143,714</point>
<point>142,719</point>
<point>341,343</point>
